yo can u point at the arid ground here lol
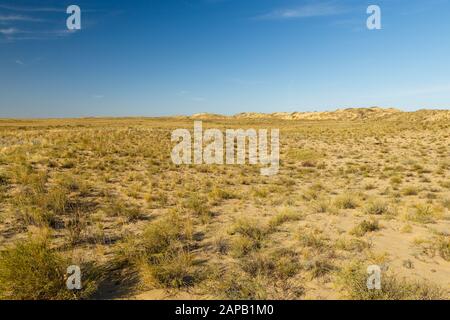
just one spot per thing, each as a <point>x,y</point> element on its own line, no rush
<point>355,188</point>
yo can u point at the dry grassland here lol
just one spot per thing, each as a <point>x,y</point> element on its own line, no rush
<point>103,194</point>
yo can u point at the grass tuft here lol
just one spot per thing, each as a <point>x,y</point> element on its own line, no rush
<point>31,270</point>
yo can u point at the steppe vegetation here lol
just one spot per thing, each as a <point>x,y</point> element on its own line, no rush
<point>352,191</point>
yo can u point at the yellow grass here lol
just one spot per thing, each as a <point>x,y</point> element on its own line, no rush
<point>347,189</point>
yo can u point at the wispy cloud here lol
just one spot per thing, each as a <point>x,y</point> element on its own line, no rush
<point>16,23</point>
<point>32,9</point>
<point>18,18</point>
<point>9,31</point>
<point>13,34</point>
<point>19,62</point>
<point>62,8</point>
<point>305,11</point>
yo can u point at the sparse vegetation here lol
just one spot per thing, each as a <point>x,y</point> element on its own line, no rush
<point>346,201</point>
<point>109,195</point>
<point>377,208</point>
<point>421,213</point>
<point>31,270</point>
<point>364,227</point>
<point>353,279</point>
<point>443,245</point>
<point>285,215</point>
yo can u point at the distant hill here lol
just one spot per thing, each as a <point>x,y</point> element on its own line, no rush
<point>350,114</point>
<point>206,116</point>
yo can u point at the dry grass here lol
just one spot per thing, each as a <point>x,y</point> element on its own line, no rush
<point>364,227</point>
<point>31,270</point>
<point>109,193</point>
<point>353,280</point>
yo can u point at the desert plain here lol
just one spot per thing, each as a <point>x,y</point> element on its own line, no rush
<point>355,188</point>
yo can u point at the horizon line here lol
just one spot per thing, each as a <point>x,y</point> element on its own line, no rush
<point>81,117</point>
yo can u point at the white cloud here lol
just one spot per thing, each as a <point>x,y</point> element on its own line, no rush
<point>19,62</point>
<point>13,34</point>
<point>9,31</point>
<point>11,18</point>
<point>305,11</point>
<point>31,9</point>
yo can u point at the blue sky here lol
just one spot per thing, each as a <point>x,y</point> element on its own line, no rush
<point>163,57</point>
